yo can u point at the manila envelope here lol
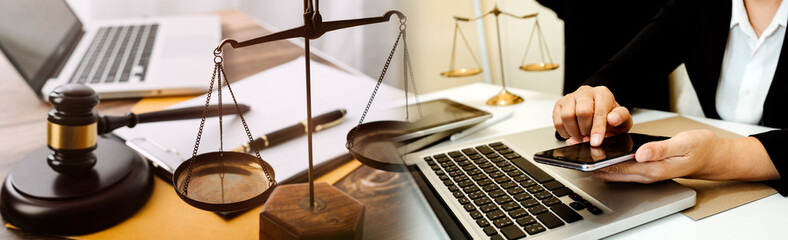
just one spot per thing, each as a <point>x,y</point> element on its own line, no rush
<point>713,196</point>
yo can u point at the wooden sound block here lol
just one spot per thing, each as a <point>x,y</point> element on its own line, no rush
<point>286,214</point>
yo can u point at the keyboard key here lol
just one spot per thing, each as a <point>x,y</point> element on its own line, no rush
<point>458,194</point>
<point>465,183</point>
<point>490,169</point>
<point>475,156</point>
<point>528,183</point>
<point>514,173</point>
<point>489,208</point>
<point>476,195</point>
<point>521,196</point>
<point>550,220</point>
<point>471,169</point>
<point>508,185</point>
<point>483,222</point>
<point>515,190</point>
<point>470,189</point>
<point>468,151</point>
<point>479,177</point>
<point>517,213</point>
<point>460,178</point>
<point>490,231</point>
<point>562,191</point>
<point>538,209</point>
<point>500,147</point>
<point>452,168</point>
<point>510,206</point>
<point>496,174</point>
<point>484,149</point>
<point>455,154</point>
<point>502,179</point>
<point>448,182</point>
<point>485,182</point>
<point>503,164</point>
<point>511,156</point>
<point>542,195</point>
<point>464,200</point>
<point>577,206</point>
<point>530,203</point>
<point>532,170</point>
<point>575,196</point>
<point>502,222</point>
<point>482,201</point>
<point>469,207</point>
<point>485,165</point>
<point>496,237</point>
<point>495,144</point>
<point>525,221</point>
<point>476,214</point>
<point>505,151</point>
<point>534,228</point>
<point>594,210</point>
<point>436,168</point>
<point>456,173</point>
<point>566,213</point>
<point>497,193</point>
<point>552,185</point>
<point>491,187</point>
<point>508,168</point>
<point>503,199</point>
<point>443,177</point>
<point>464,163</point>
<point>495,214</point>
<point>454,188</point>
<point>496,159</point>
<point>532,189</point>
<point>512,232</point>
<point>551,201</point>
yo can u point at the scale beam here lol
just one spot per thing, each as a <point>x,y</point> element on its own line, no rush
<point>313,28</point>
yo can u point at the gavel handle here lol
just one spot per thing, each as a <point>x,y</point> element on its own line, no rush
<point>107,124</point>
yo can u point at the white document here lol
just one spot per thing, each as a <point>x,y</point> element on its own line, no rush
<point>278,99</point>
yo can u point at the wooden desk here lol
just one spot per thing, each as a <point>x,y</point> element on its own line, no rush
<point>388,196</point>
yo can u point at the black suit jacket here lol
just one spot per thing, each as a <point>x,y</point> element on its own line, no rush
<point>695,32</point>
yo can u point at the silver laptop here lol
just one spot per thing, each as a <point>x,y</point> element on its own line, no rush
<point>494,190</point>
<point>49,46</point>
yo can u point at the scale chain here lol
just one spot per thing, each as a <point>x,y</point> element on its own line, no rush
<point>246,128</point>
<point>409,67</point>
<point>352,140</point>
<point>185,185</point>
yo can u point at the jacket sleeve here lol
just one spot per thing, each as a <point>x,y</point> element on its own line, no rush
<point>655,51</point>
<point>776,144</point>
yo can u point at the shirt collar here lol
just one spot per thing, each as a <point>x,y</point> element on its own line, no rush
<point>739,14</point>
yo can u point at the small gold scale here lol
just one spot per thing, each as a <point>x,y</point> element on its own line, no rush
<point>504,97</point>
<point>225,181</point>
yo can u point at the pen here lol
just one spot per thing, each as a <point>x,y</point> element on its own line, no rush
<point>271,139</point>
<point>481,126</point>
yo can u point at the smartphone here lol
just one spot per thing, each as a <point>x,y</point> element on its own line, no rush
<point>583,157</point>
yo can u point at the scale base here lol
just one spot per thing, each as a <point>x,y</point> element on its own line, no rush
<point>35,198</point>
<point>504,98</point>
<point>337,216</point>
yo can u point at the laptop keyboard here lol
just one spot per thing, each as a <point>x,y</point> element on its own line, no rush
<point>508,196</point>
<point>116,55</point>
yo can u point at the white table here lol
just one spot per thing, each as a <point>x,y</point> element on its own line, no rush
<point>761,219</point>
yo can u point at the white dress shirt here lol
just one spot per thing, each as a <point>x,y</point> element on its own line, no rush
<point>749,65</point>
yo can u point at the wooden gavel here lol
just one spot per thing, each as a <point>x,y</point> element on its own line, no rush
<point>73,125</point>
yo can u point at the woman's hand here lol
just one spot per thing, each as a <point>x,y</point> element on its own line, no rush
<point>590,114</point>
<point>695,154</point>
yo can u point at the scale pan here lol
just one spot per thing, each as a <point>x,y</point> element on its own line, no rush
<point>242,186</point>
<point>462,72</point>
<point>373,145</point>
<point>539,67</point>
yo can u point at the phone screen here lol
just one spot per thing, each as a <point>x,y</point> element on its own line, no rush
<point>611,148</point>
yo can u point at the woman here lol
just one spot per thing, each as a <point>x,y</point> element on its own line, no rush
<point>737,62</point>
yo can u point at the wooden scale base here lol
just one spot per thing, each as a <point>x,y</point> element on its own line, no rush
<point>287,215</point>
<point>35,198</point>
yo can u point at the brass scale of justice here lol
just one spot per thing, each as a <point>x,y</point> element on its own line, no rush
<point>504,97</point>
<point>225,181</point>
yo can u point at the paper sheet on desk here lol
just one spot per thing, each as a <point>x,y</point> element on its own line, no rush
<point>278,99</point>
<point>713,196</point>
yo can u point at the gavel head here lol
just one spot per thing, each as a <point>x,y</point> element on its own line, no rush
<point>72,129</point>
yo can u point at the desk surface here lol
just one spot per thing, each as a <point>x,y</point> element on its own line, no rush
<point>387,195</point>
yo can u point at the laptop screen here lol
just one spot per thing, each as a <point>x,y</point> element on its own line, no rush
<point>37,36</point>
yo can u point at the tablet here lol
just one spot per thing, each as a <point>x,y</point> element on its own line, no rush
<point>443,115</point>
